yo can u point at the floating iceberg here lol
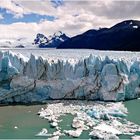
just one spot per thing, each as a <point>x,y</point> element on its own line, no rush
<point>108,129</point>
<point>99,128</point>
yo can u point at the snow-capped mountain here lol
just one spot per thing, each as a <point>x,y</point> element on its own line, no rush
<point>51,41</point>
<point>127,25</point>
<point>41,41</point>
<point>122,36</point>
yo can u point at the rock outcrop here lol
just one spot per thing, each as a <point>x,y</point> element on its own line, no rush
<point>37,80</point>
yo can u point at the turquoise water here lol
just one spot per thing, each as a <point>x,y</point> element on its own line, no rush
<point>29,123</point>
<point>24,117</point>
<point>133,107</point>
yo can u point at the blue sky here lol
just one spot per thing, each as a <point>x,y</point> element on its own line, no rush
<point>26,18</point>
<point>8,18</point>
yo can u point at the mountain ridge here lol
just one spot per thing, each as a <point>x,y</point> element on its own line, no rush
<point>112,38</point>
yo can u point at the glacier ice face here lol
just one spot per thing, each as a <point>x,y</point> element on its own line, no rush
<point>112,84</point>
<point>7,70</point>
<point>93,78</point>
<point>133,88</point>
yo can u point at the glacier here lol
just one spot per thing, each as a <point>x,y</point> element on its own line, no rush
<point>36,79</point>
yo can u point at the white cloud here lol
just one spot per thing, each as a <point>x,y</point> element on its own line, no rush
<point>1,17</point>
<point>17,30</point>
<point>20,7</point>
<point>73,17</point>
<point>11,7</point>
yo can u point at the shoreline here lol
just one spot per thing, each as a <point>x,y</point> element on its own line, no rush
<point>59,101</point>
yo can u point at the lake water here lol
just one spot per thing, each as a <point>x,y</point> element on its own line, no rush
<point>28,123</point>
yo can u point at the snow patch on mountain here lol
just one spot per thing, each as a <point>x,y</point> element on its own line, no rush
<point>135,27</point>
<point>41,41</point>
<point>51,41</point>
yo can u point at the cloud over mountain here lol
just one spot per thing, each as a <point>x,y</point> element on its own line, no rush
<point>69,16</point>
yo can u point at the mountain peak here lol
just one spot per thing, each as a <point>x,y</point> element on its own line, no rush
<point>59,33</point>
<point>40,39</point>
<point>56,35</point>
<point>127,24</point>
<point>50,42</point>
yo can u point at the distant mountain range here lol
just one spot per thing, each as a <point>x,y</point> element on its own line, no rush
<point>122,36</point>
<point>16,43</point>
<point>52,41</point>
<point>41,41</point>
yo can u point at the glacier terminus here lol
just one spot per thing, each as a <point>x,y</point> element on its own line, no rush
<point>36,79</point>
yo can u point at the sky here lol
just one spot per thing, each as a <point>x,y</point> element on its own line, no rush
<point>26,18</point>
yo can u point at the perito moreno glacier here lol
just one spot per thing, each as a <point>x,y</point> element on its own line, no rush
<point>91,78</point>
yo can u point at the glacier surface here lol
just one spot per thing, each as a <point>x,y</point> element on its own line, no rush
<point>37,79</point>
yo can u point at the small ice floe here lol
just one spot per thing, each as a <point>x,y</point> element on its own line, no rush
<point>108,129</point>
<point>77,123</point>
<point>54,124</point>
<point>94,113</point>
<point>58,133</point>
<point>54,138</point>
<point>15,127</point>
<point>44,113</point>
<point>40,111</point>
<point>105,114</point>
<point>116,123</point>
<point>135,137</point>
<point>96,134</point>
<point>44,132</point>
<point>117,113</point>
<point>91,123</point>
<point>74,133</point>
